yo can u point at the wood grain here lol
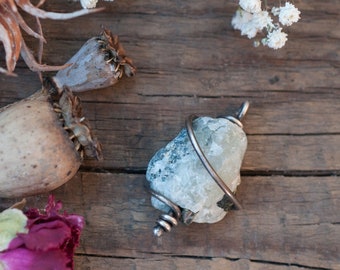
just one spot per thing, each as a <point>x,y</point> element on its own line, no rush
<point>286,220</point>
<point>190,60</point>
<point>87,263</point>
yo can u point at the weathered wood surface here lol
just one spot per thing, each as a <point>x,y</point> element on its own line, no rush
<point>189,60</point>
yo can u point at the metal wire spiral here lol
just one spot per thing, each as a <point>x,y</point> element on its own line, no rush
<point>167,221</point>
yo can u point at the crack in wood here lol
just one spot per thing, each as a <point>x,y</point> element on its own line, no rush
<point>292,173</point>
<point>163,256</point>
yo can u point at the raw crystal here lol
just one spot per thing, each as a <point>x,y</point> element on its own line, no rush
<point>177,173</point>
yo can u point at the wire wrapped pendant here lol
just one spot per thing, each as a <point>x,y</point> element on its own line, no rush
<point>195,176</point>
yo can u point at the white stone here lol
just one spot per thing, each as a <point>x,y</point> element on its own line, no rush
<point>177,173</point>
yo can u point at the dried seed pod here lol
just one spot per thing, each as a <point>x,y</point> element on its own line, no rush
<point>43,138</point>
<point>38,151</point>
<point>99,63</point>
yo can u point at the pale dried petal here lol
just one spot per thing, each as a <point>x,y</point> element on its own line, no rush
<point>27,6</point>
<point>88,3</point>
<point>26,28</point>
<point>33,64</point>
<point>10,36</point>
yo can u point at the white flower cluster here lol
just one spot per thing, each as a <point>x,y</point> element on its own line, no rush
<point>250,19</point>
<point>90,3</point>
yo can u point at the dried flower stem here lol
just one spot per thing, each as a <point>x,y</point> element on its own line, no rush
<point>10,34</point>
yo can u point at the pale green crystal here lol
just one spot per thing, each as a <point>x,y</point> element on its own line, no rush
<point>177,173</point>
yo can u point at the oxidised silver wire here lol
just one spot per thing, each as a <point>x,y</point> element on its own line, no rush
<point>166,221</point>
<point>239,114</point>
<point>188,123</point>
<point>206,162</point>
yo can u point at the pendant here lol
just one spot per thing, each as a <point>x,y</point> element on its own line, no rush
<point>195,176</point>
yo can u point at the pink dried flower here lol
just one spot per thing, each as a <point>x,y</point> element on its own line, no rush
<point>49,243</point>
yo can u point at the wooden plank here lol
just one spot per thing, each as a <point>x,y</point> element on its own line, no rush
<point>190,60</point>
<point>174,80</point>
<point>133,128</point>
<point>221,70</point>
<point>163,262</point>
<point>205,17</point>
<point>285,220</point>
<point>265,153</point>
<point>134,133</point>
<point>172,50</point>
<point>125,124</point>
<point>203,76</point>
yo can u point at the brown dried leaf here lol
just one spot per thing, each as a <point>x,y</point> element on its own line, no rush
<point>10,36</point>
